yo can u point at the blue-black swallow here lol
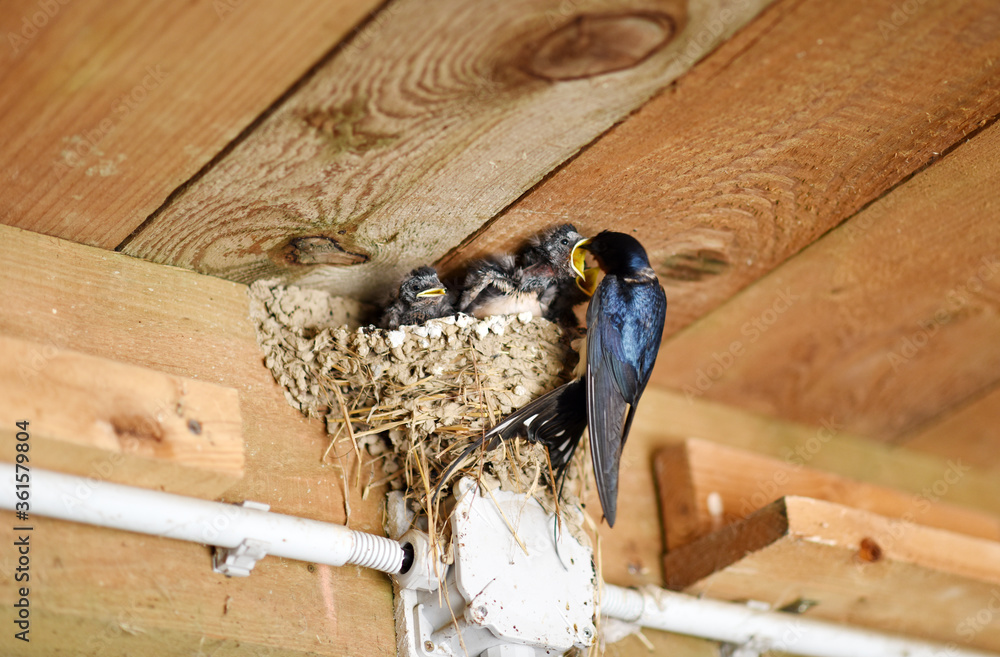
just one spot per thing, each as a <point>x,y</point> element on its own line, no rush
<point>539,279</point>
<point>421,297</point>
<point>624,325</point>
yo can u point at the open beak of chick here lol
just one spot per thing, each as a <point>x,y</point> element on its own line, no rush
<point>433,292</point>
<point>586,279</point>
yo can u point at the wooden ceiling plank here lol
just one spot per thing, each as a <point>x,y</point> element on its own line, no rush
<point>66,296</point>
<point>413,137</point>
<point>107,108</point>
<point>794,125</point>
<point>888,321</point>
<point>849,566</point>
<point>741,482</point>
<point>130,425</point>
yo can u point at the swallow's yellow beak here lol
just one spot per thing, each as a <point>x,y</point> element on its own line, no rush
<point>578,258</point>
<point>588,282</point>
<point>433,292</point>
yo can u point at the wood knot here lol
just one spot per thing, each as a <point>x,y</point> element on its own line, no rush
<point>135,430</point>
<point>346,129</point>
<point>592,45</point>
<point>320,250</point>
<point>695,266</point>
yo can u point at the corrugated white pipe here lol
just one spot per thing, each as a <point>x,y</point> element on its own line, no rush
<point>763,630</point>
<point>94,502</point>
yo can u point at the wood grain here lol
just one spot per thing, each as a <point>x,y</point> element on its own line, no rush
<point>401,146</point>
<point>743,482</point>
<point>107,108</point>
<point>68,296</point>
<point>887,322</point>
<point>786,130</point>
<point>99,418</point>
<point>857,567</point>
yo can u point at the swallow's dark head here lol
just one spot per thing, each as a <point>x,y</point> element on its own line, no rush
<point>422,285</point>
<point>616,253</point>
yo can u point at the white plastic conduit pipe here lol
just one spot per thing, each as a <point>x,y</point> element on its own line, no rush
<point>79,499</point>
<point>763,630</point>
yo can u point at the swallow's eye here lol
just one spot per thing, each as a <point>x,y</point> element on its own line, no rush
<point>565,242</point>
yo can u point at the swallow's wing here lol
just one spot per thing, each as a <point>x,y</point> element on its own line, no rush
<point>639,346</point>
<point>625,323</point>
<point>606,406</point>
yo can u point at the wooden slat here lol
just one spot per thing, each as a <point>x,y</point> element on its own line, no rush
<point>134,587</point>
<point>970,432</point>
<point>98,418</point>
<point>107,108</point>
<point>401,146</point>
<point>857,567</point>
<point>789,128</point>
<point>885,323</point>
<point>667,417</point>
<point>742,482</point>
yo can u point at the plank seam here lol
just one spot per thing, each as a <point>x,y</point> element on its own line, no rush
<point>245,133</point>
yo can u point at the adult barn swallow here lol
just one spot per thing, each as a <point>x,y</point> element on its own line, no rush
<point>625,323</point>
<point>540,279</point>
<point>421,297</point>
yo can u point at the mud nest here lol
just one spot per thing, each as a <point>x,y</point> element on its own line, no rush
<point>416,397</point>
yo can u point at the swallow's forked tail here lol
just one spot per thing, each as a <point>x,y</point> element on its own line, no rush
<point>556,419</point>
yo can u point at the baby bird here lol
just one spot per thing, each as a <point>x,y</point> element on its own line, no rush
<point>540,279</point>
<point>492,287</point>
<point>421,297</point>
<point>548,265</point>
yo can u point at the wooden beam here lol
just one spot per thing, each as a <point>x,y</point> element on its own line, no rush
<point>791,127</point>
<point>667,417</point>
<point>95,417</point>
<point>400,147</point>
<point>741,482</point>
<point>968,432</point>
<point>887,322</point>
<point>108,108</point>
<point>132,590</point>
<point>850,566</point>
